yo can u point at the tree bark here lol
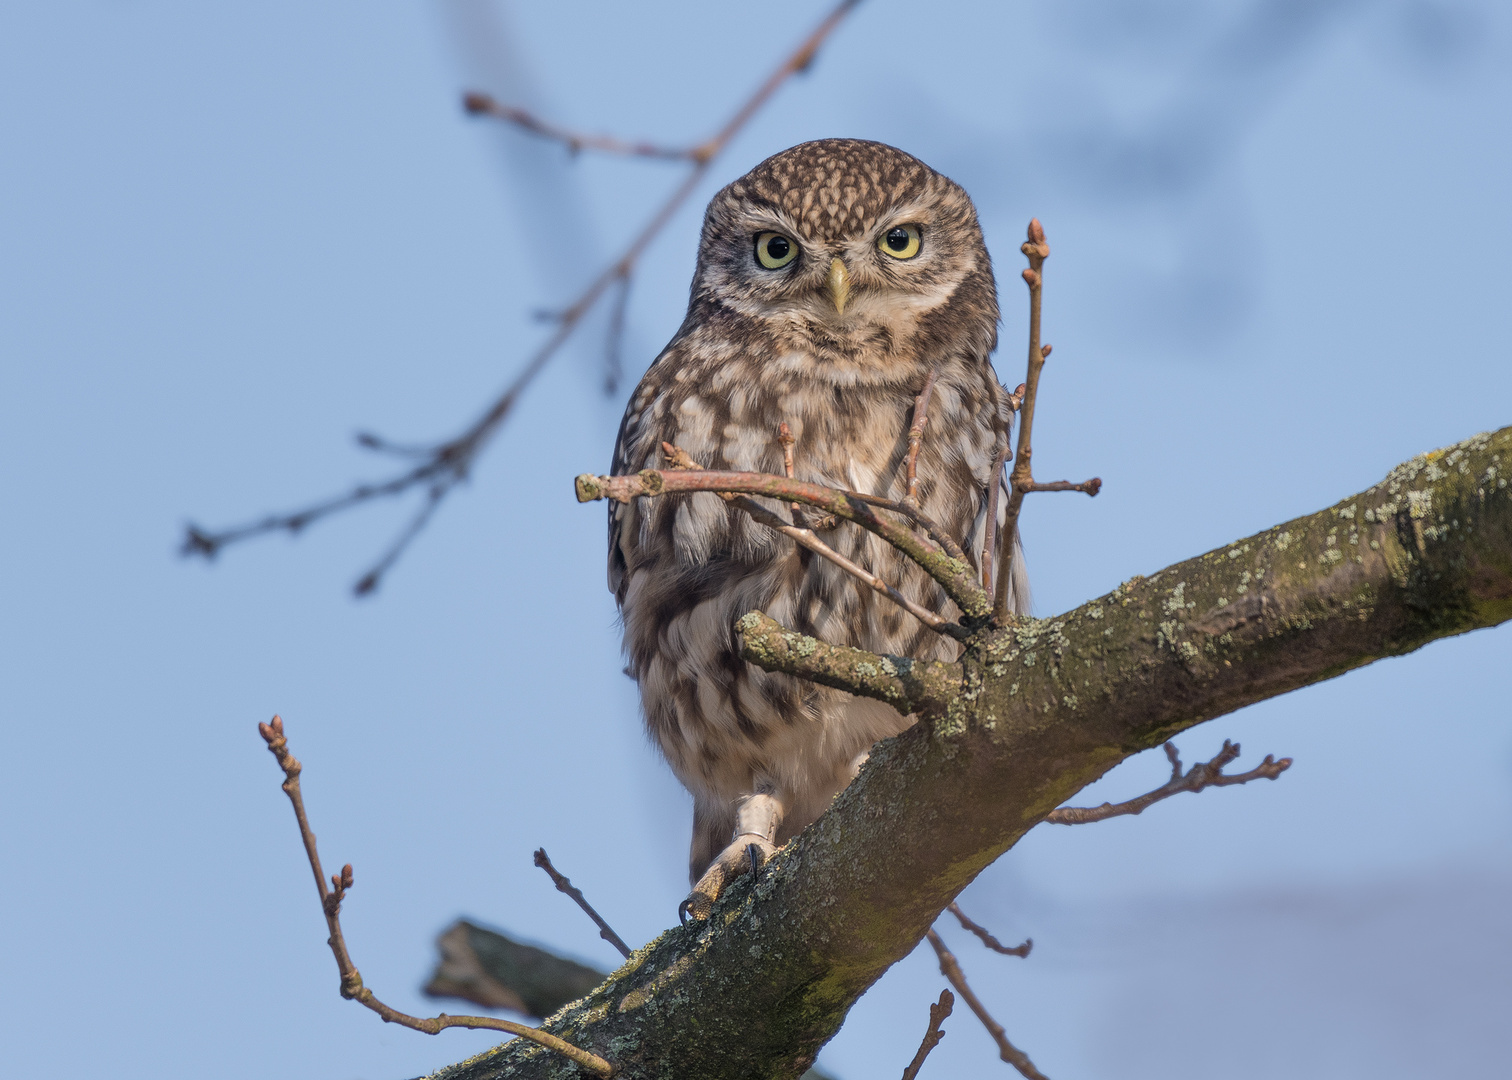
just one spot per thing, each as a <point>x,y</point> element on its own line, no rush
<point>1032,713</point>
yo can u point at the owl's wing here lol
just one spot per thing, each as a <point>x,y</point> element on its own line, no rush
<point>633,446</point>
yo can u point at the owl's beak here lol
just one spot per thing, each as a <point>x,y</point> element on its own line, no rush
<point>838,280</point>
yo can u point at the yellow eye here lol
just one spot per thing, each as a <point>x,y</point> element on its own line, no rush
<point>901,241</point>
<point>774,251</point>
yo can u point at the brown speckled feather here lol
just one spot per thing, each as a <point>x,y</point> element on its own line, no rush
<point>760,347</point>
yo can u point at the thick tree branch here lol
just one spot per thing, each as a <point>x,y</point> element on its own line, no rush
<point>1041,708</point>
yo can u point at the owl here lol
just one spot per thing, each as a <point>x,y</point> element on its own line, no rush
<point>832,281</point>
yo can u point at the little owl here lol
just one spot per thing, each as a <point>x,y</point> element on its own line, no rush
<point>832,279</point>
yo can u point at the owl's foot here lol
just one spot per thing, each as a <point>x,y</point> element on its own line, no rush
<point>745,855</point>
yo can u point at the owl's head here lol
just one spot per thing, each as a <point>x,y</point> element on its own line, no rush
<point>852,252</point>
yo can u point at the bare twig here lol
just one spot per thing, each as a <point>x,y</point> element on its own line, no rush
<point>444,465</point>
<point>954,575</point>
<point>932,528</point>
<point>575,141</point>
<point>564,886</point>
<point>680,460</point>
<point>932,1037</point>
<point>351,981</point>
<point>916,438</point>
<point>987,939</point>
<point>1006,1050</point>
<point>1203,774</point>
<point>1021,480</point>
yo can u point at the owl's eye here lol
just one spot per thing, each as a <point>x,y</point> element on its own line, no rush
<point>774,251</point>
<point>901,241</point>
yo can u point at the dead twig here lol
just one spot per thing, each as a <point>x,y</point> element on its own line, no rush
<point>443,466</point>
<point>1021,480</point>
<point>564,886</point>
<point>351,980</point>
<point>1006,1050</point>
<point>987,939</point>
<point>680,460</point>
<point>932,1037</point>
<point>1203,774</point>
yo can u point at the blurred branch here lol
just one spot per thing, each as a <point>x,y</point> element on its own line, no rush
<point>445,465</point>
<point>492,970</point>
<point>351,980</point>
<point>987,939</point>
<point>1202,775</point>
<point>479,104</point>
<point>951,969</point>
<point>564,886</point>
<point>933,1035</point>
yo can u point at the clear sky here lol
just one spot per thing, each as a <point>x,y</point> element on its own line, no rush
<point>233,234</point>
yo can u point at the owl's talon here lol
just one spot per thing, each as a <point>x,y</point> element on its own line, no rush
<point>743,856</point>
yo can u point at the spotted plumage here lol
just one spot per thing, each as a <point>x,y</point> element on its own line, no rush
<point>835,341</point>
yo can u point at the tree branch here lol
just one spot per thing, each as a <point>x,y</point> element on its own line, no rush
<point>351,981</point>
<point>932,1035</point>
<point>1039,710</point>
<point>443,466</point>
<point>564,886</point>
<point>1203,774</point>
<point>954,575</point>
<point>1021,951</point>
<point>951,969</point>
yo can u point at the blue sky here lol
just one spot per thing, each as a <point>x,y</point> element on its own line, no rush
<point>232,235</point>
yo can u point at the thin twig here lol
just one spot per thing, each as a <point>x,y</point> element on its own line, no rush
<point>564,886</point>
<point>987,939</point>
<point>681,461</point>
<point>954,575</point>
<point>1006,1050</point>
<point>932,1037</point>
<point>934,529</point>
<point>1203,774</point>
<point>1091,487</point>
<point>445,465</point>
<point>351,981</point>
<point>1021,479</point>
<point>994,496</point>
<point>479,104</point>
<point>916,438</point>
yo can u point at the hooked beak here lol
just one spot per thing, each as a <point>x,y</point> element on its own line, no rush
<point>838,280</point>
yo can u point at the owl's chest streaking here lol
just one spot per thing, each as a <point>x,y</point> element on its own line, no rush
<point>685,569</point>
